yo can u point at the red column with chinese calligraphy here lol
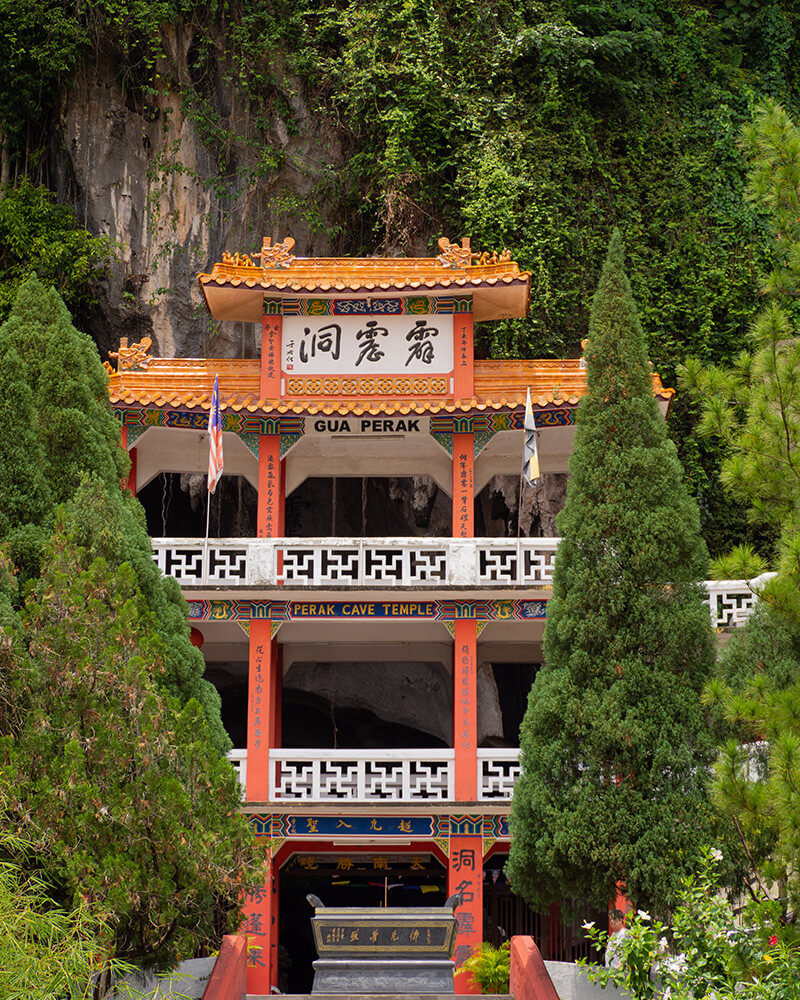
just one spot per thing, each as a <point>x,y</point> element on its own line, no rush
<point>270,472</point>
<point>258,907</point>
<point>270,487</point>
<point>463,485</point>
<point>271,330</point>
<point>464,364</point>
<point>465,709</point>
<point>465,871</point>
<point>465,875</point>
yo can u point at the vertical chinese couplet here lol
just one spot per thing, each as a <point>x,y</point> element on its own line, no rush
<point>260,710</point>
<point>463,486</point>
<point>464,368</point>
<point>465,876</point>
<point>270,487</point>
<point>465,710</point>
<point>271,330</point>
<point>260,927</point>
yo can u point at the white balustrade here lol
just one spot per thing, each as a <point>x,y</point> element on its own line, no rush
<point>358,562</point>
<point>224,561</point>
<point>498,770</point>
<point>383,563</point>
<point>238,759</point>
<point>527,562</point>
<point>365,562</point>
<point>361,775</point>
<point>731,602</point>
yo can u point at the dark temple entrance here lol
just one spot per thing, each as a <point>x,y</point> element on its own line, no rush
<point>559,938</point>
<point>358,879</point>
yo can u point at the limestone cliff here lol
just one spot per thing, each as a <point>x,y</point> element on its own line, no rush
<point>172,198</point>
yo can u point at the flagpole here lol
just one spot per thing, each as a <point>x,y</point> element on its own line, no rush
<point>214,464</point>
<point>205,543</point>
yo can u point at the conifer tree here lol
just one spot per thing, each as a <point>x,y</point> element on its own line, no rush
<point>60,444</point>
<point>614,746</point>
<point>110,739</point>
<point>754,407</point>
<point>130,809</point>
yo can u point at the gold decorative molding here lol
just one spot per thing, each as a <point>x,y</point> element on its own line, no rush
<point>453,255</point>
<point>238,259</point>
<point>353,386</point>
<point>133,357</point>
<point>491,257</point>
<point>279,255</point>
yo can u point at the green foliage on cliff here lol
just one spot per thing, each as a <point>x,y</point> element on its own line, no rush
<point>59,444</point>
<point>753,405</point>
<point>614,744</point>
<point>539,127</point>
<point>39,235</point>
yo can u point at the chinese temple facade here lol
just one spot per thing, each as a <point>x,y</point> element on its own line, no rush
<point>373,629</point>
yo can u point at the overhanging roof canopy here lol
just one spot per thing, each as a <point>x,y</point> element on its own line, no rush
<point>236,287</point>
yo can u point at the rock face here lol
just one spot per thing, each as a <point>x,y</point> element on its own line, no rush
<point>370,704</point>
<point>499,505</point>
<point>172,196</point>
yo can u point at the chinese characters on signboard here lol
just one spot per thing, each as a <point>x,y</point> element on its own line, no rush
<point>413,345</point>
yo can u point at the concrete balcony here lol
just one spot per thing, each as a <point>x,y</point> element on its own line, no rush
<point>362,563</point>
<point>319,776</point>
<point>361,775</point>
<point>436,564</point>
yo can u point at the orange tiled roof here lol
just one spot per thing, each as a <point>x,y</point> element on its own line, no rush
<point>236,286</point>
<point>187,383</point>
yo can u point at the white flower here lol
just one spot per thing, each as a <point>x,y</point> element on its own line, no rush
<point>588,925</point>
<point>644,915</point>
<point>663,944</point>
<point>716,854</point>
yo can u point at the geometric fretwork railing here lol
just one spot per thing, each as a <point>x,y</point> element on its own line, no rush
<point>498,770</point>
<point>380,775</point>
<point>358,562</point>
<point>385,563</point>
<point>361,775</point>
<point>730,602</point>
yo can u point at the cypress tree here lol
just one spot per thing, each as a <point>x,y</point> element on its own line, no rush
<point>614,745</point>
<point>60,445</point>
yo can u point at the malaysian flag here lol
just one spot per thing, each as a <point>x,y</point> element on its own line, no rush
<point>530,460</point>
<point>215,441</point>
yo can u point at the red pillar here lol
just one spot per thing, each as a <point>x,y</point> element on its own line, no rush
<point>463,486</point>
<point>465,870</point>
<point>271,330</point>
<point>260,708</point>
<point>270,487</point>
<point>464,364</point>
<point>465,875</point>
<point>465,709</point>
<point>260,927</point>
<point>274,921</point>
<point>130,483</point>
<point>263,723</point>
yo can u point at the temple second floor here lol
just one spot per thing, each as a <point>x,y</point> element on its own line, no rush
<point>378,571</point>
<point>423,776</point>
